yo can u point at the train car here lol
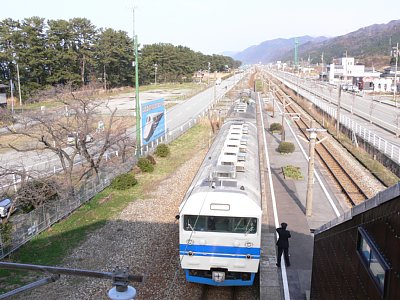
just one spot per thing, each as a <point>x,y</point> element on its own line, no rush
<point>220,215</point>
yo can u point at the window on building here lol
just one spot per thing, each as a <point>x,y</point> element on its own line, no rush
<point>372,259</point>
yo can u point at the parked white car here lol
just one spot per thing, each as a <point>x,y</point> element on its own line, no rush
<point>72,136</point>
<point>5,206</point>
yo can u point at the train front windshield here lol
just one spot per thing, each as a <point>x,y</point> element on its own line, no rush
<point>220,224</point>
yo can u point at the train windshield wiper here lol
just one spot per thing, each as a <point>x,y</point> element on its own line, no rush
<point>190,226</point>
<point>250,229</point>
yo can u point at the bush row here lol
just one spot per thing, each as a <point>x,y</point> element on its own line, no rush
<point>145,164</point>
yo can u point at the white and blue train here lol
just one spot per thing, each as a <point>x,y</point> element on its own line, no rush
<point>220,215</point>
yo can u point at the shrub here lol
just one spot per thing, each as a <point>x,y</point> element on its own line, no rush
<point>286,147</point>
<point>145,165</point>
<point>151,159</point>
<point>292,172</point>
<point>275,127</point>
<point>162,150</point>
<point>34,193</point>
<point>124,181</point>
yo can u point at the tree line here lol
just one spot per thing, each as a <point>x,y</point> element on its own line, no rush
<point>59,52</point>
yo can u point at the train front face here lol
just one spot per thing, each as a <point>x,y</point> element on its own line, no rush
<point>220,245</point>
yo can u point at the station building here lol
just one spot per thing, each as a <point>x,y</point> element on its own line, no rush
<point>357,256</point>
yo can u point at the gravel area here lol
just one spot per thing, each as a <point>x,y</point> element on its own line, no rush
<point>370,185</point>
<point>144,237</point>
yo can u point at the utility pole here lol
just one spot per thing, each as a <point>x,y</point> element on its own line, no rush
<point>155,74</point>
<point>12,94</point>
<point>19,87</point>
<point>296,55</point>
<point>105,77</point>
<point>395,76</point>
<point>338,110</point>
<point>11,81</point>
<point>283,119</point>
<point>310,181</point>
<point>311,164</point>
<point>208,77</point>
<point>138,125</point>
<point>322,66</point>
<point>345,72</point>
<point>273,102</point>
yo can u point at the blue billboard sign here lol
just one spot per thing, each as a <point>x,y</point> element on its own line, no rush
<point>153,120</point>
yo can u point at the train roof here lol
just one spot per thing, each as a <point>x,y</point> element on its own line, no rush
<point>234,170</point>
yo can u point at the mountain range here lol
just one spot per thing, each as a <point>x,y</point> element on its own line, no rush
<point>369,45</point>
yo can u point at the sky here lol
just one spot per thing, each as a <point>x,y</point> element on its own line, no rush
<point>213,26</point>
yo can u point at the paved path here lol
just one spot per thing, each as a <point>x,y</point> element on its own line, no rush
<point>290,198</point>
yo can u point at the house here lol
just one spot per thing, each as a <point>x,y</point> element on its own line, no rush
<point>387,82</point>
<point>345,71</point>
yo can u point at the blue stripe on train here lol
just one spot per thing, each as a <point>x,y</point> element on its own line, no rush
<point>219,250</point>
<point>229,282</point>
<point>219,255</point>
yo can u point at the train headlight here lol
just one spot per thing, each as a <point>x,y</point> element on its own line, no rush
<point>249,244</point>
<point>190,253</point>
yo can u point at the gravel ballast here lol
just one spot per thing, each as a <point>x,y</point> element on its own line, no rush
<point>143,237</point>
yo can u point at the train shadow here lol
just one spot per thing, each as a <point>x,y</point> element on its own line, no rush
<point>148,249</point>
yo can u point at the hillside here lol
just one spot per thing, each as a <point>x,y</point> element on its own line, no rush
<point>270,51</point>
<point>369,45</point>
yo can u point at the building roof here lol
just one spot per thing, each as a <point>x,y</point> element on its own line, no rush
<point>384,196</point>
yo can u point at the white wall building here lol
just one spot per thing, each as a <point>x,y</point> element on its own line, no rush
<point>347,72</point>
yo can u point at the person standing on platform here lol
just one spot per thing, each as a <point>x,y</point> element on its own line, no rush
<point>283,244</point>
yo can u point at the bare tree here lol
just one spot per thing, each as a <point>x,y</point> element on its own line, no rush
<point>8,174</point>
<point>70,132</point>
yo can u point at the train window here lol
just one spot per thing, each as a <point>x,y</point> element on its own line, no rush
<point>196,223</point>
<point>372,259</point>
<point>245,225</point>
<point>220,224</point>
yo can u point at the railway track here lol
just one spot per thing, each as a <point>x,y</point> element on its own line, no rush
<point>215,292</point>
<point>230,292</point>
<point>352,190</point>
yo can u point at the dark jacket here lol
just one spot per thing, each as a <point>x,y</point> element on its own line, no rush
<point>283,240</point>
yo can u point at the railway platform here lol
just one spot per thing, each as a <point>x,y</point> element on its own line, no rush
<point>285,201</point>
